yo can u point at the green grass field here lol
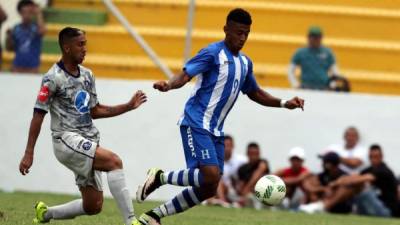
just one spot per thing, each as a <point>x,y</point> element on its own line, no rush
<point>17,209</point>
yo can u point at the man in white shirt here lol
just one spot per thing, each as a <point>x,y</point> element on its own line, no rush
<point>231,166</point>
<point>352,155</point>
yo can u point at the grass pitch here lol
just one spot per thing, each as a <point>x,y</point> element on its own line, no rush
<point>17,209</point>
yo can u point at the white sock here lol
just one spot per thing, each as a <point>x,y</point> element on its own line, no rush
<point>68,210</point>
<point>117,185</point>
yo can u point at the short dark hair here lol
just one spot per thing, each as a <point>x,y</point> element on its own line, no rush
<point>253,145</point>
<point>67,34</point>
<point>21,4</point>
<point>375,147</point>
<point>239,15</point>
<point>228,137</point>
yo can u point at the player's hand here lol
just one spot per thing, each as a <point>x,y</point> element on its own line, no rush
<point>9,32</point>
<point>162,86</point>
<point>26,163</point>
<point>294,103</point>
<point>138,98</point>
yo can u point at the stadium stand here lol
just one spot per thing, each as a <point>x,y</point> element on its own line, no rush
<point>363,33</point>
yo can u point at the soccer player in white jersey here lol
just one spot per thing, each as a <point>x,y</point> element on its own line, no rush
<point>68,91</point>
<point>222,72</point>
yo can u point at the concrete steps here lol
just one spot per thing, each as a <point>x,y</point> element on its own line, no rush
<point>363,34</point>
<point>269,16</point>
<point>140,67</point>
<point>261,47</point>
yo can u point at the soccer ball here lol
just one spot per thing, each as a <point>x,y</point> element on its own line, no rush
<point>270,190</point>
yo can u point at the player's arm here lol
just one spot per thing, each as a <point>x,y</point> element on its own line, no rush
<point>196,65</point>
<point>258,173</point>
<point>3,15</point>
<point>9,40</point>
<point>313,185</point>
<point>354,179</point>
<point>351,162</point>
<point>40,20</point>
<point>297,180</point>
<point>103,111</point>
<point>264,98</point>
<point>175,82</point>
<point>34,131</point>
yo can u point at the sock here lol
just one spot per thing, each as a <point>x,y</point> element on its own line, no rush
<point>117,185</point>
<point>183,201</point>
<point>68,210</point>
<point>188,177</point>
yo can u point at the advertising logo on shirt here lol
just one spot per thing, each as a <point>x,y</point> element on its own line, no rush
<point>43,94</point>
<point>82,102</point>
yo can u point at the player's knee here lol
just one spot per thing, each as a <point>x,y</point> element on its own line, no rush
<point>210,182</point>
<point>116,162</point>
<point>93,208</point>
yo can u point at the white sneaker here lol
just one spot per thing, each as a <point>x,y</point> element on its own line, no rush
<point>316,207</point>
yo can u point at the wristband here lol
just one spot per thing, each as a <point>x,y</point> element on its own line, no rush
<point>283,102</point>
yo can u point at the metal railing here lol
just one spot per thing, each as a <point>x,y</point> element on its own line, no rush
<point>144,45</point>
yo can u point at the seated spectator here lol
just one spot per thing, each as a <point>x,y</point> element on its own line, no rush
<point>226,192</point>
<point>315,62</point>
<point>319,187</point>
<point>374,190</point>
<point>3,17</point>
<point>25,39</point>
<point>293,176</point>
<point>352,154</point>
<point>251,172</point>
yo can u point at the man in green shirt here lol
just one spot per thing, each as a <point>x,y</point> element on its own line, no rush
<point>316,62</point>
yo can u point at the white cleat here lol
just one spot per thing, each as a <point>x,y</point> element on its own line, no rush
<point>151,183</point>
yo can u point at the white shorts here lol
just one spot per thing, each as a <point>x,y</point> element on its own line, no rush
<point>77,154</point>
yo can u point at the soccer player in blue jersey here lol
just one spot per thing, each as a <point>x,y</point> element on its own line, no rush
<point>222,72</point>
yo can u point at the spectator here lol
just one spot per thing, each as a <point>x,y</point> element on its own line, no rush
<point>25,39</point>
<point>226,192</point>
<point>352,154</point>
<point>251,172</point>
<point>294,176</point>
<point>3,17</point>
<point>377,200</point>
<point>319,187</point>
<point>384,184</point>
<point>315,62</point>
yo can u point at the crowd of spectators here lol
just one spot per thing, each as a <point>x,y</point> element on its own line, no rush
<point>352,179</point>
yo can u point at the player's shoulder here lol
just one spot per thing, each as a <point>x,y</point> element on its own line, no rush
<point>86,71</point>
<point>53,74</point>
<point>214,48</point>
<point>302,50</point>
<point>327,49</point>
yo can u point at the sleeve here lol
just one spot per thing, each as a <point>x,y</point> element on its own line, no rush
<point>292,75</point>
<point>332,59</point>
<point>296,59</point>
<point>250,83</point>
<point>45,96</point>
<point>93,94</point>
<point>200,63</point>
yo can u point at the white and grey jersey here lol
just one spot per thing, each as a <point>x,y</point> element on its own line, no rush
<point>69,99</point>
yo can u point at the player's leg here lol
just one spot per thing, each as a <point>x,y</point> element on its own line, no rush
<point>192,141</point>
<point>187,199</point>
<point>109,162</point>
<point>78,158</point>
<point>90,204</point>
<point>200,151</point>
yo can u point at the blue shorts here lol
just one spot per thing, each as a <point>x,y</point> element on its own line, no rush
<point>202,148</point>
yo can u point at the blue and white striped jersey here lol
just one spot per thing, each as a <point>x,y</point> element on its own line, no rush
<point>220,77</point>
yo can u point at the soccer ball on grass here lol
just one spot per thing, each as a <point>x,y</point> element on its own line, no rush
<point>270,190</point>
